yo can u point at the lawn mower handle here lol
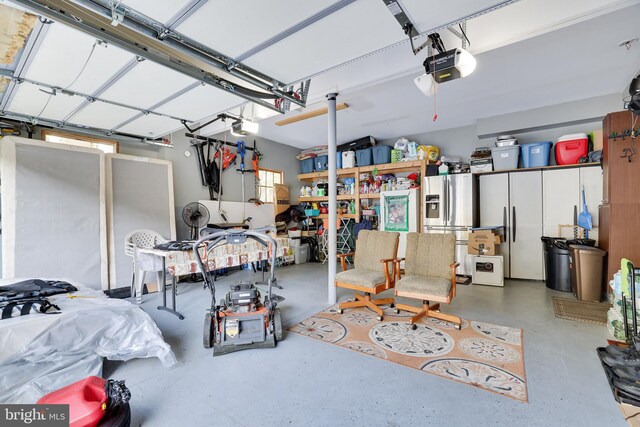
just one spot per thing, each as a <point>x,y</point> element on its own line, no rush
<point>259,235</point>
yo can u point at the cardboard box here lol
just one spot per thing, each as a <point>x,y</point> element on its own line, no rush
<point>484,242</point>
<point>596,139</point>
<point>631,414</point>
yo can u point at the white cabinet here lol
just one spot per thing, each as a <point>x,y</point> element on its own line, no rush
<point>561,199</point>
<point>591,179</point>
<point>494,209</point>
<point>562,196</point>
<point>531,204</point>
<point>525,195</point>
<point>514,200</point>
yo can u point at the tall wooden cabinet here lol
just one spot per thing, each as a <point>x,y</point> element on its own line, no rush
<point>620,210</point>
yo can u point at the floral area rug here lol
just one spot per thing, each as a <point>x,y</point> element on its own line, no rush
<point>483,355</point>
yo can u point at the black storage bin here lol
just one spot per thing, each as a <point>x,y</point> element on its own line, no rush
<point>557,261</point>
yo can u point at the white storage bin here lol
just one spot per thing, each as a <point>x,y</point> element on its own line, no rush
<point>301,253</point>
<point>348,159</point>
<point>294,242</point>
<point>505,157</point>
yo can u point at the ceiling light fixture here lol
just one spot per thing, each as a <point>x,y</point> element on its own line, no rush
<point>244,127</point>
<point>426,84</point>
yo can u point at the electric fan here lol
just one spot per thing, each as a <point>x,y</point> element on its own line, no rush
<point>195,215</point>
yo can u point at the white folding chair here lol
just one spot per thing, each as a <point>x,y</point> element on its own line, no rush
<point>142,239</point>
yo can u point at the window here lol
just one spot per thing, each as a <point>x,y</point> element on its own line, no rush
<point>267,180</point>
<point>80,140</point>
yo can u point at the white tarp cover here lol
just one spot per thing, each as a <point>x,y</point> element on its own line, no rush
<point>40,353</point>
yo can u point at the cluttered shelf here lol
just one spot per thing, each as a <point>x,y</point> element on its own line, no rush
<point>323,174</point>
<point>340,197</point>
<point>326,198</point>
<point>326,216</point>
<point>397,167</point>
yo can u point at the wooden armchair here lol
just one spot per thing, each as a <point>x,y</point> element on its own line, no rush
<point>373,271</point>
<point>430,275</point>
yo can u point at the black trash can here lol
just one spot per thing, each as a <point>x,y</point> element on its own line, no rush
<point>557,260</point>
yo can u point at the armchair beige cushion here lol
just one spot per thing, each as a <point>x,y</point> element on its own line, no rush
<point>368,271</point>
<point>361,277</point>
<point>435,286</point>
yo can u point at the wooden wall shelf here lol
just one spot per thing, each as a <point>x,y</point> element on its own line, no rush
<point>419,166</point>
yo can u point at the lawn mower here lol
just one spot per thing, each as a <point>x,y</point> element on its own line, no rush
<point>240,321</point>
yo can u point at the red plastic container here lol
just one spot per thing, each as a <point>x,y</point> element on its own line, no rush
<point>568,151</point>
<point>87,400</point>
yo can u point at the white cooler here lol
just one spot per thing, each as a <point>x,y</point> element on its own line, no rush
<point>487,270</point>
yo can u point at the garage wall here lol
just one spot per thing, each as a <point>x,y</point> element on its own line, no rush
<point>541,124</point>
<point>186,176</point>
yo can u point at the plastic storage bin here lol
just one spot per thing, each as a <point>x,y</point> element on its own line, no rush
<point>570,148</point>
<point>381,154</point>
<point>307,165</point>
<point>536,154</point>
<point>301,253</point>
<point>586,272</point>
<point>364,157</point>
<point>348,159</point>
<point>338,160</point>
<point>321,163</point>
<point>505,157</point>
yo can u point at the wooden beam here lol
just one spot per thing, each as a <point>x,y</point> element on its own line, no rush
<point>309,114</point>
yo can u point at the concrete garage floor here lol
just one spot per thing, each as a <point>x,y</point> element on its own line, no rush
<point>308,382</point>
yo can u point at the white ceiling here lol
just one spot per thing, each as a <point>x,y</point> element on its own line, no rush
<point>573,63</point>
<point>233,27</point>
<point>531,53</point>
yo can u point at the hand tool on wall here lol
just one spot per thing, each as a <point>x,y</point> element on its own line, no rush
<point>255,160</point>
<point>242,150</point>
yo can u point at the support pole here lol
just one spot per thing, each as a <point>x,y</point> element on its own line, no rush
<point>333,197</point>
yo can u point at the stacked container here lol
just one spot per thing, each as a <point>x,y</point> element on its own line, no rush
<point>307,165</point>
<point>320,163</point>
<point>364,157</point>
<point>536,154</point>
<point>506,153</point>
<point>381,154</point>
<point>505,157</point>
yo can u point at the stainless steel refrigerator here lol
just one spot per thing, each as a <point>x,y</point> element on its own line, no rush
<point>450,206</point>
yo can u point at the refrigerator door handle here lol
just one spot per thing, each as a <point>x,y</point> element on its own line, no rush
<point>504,223</point>
<point>575,215</point>
<point>513,224</point>
<point>449,204</point>
<point>445,195</point>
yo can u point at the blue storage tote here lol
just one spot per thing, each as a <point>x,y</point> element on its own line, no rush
<point>306,165</point>
<point>536,154</point>
<point>320,163</point>
<point>381,154</point>
<point>339,160</point>
<point>364,157</point>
